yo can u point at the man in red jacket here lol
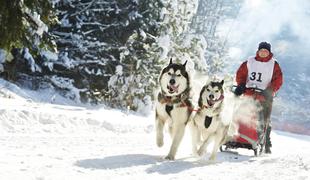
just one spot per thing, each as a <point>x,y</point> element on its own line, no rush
<point>263,72</point>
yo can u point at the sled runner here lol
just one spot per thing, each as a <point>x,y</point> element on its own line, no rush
<point>252,131</point>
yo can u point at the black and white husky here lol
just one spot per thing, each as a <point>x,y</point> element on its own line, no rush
<point>173,105</point>
<point>207,125</point>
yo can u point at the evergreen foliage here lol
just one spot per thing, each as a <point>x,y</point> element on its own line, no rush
<point>135,79</point>
<point>205,24</point>
<point>100,35</point>
<point>25,24</point>
<point>175,40</point>
<point>109,51</point>
<point>134,82</point>
<point>210,14</point>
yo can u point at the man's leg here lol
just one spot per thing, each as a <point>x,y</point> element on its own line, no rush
<point>268,144</point>
<point>267,113</point>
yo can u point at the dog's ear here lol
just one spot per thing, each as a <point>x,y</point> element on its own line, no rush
<point>200,97</point>
<point>200,102</point>
<point>222,82</point>
<point>170,61</point>
<point>184,64</point>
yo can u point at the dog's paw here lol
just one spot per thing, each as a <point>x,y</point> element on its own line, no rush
<point>212,160</point>
<point>201,152</point>
<point>195,154</point>
<point>169,157</point>
<point>159,142</point>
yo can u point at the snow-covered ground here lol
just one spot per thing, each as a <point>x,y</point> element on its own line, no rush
<point>44,141</point>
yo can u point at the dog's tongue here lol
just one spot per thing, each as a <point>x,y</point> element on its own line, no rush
<point>173,88</point>
<point>210,102</point>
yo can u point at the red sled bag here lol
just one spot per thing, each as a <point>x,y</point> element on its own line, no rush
<point>247,134</point>
<point>251,127</point>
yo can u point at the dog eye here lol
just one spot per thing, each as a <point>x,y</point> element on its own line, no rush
<point>217,91</point>
<point>169,74</point>
<point>179,75</point>
<point>208,89</point>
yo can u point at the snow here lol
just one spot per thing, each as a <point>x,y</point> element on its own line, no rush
<point>30,61</point>
<point>35,17</point>
<point>39,140</point>
<point>66,83</point>
<point>2,56</point>
<point>164,42</point>
<point>48,55</point>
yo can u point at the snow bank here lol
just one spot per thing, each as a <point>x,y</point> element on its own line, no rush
<point>23,113</point>
<point>26,117</point>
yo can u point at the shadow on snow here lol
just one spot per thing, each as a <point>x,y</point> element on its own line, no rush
<point>158,164</point>
<point>118,161</point>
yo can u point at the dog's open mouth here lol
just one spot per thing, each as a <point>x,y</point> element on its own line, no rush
<point>173,89</point>
<point>210,102</point>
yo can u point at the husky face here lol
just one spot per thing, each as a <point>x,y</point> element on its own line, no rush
<point>210,93</point>
<point>174,79</point>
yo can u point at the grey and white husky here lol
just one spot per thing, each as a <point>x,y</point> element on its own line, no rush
<point>207,125</point>
<point>173,105</point>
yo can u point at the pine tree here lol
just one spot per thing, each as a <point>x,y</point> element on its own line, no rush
<point>24,36</point>
<point>96,35</point>
<point>25,24</point>
<point>175,40</point>
<point>139,64</point>
<point>145,53</point>
<point>134,87</point>
<point>205,23</point>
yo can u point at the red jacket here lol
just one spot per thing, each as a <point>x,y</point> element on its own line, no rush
<point>277,77</point>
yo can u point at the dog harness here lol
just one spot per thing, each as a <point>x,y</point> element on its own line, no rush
<point>181,100</point>
<point>208,121</point>
<point>174,99</point>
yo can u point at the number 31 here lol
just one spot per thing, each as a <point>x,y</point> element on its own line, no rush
<point>254,76</point>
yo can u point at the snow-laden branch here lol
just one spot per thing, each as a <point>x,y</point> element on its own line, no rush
<point>89,5</point>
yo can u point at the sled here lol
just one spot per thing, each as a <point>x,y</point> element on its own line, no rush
<point>251,136</point>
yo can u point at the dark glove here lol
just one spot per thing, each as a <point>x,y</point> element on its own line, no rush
<point>267,93</point>
<point>240,89</point>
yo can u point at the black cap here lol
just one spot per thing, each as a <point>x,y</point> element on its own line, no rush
<point>264,45</point>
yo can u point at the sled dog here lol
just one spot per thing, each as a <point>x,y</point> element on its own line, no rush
<point>207,125</point>
<point>173,105</point>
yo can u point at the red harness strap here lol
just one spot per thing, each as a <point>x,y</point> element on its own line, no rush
<point>190,108</point>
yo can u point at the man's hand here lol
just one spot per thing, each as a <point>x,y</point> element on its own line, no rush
<point>240,89</point>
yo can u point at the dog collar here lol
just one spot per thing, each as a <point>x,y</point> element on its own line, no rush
<point>162,98</point>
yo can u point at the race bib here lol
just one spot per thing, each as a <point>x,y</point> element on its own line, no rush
<point>259,73</point>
